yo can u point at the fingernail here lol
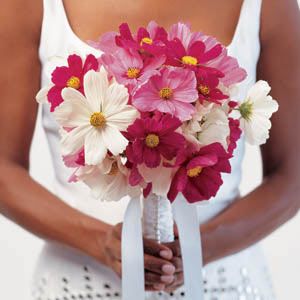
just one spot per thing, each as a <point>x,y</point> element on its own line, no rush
<point>167,278</point>
<point>168,269</point>
<point>165,254</point>
<point>158,286</point>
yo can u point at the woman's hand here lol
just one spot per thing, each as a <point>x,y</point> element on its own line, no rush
<point>163,267</point>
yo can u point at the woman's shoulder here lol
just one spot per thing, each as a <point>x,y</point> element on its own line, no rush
<point>20,20</point>
<point>279,18</point>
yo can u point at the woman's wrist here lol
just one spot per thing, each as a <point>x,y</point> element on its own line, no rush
<point>90,237</point>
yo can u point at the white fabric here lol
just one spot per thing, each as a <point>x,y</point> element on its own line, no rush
<point>242,276</point>
<point>186,219</point>
<point>132,259</point>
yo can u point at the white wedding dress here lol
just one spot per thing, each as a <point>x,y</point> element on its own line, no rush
<point>65,274</point>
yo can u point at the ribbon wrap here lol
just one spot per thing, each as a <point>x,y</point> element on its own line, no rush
<point>186,217</point>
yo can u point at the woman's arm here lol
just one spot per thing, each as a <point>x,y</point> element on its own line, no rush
<point>276,200</point>
<point>21,198</point>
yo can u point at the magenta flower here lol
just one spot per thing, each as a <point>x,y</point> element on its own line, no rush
<point>199,175</point>
<point>194,57</point>
<point>235,134</point>
<point>183,32</point>
<point>127,66</point>
<point>147,41</point>
<point>70,76</point>
<point>222,62</point>
<point>171,92</point>
<point>153,138</point>
<point>207,85</point>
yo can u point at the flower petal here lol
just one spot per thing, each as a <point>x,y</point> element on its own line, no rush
<point>116,97</point>
<point>73,140</point>
<point>123,118</point>
<point>94,148</point>
<point>41,96</point>
<point>115,142</point>
<point>95,86</point>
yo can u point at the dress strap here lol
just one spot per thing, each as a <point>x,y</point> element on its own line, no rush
<point>249,22</point>
<point>54,28</point>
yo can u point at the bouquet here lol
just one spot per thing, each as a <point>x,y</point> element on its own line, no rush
<point>154,117</point>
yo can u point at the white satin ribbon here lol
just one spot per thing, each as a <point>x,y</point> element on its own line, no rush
<point>186,218</point>
<point>133,280</point>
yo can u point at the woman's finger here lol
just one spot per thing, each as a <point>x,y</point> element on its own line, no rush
<point>153,278</point>
<point>177,262</point>
<point>158,265</point>
<point>155,249</point>
<point>114,248</point>
<point>175,247</point>
<point>117,267</point>
<point>155,287</point>
<point>178,281</point>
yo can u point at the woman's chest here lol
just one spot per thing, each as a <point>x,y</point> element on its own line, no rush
<point>89,19</point>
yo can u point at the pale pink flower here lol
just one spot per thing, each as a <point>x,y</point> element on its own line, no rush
<point>173,92</point>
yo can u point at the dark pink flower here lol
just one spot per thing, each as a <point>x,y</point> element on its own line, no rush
<point>235,134</point>
<point>207,85</point>
<point>226,64</point>
<point>153,138</point>
<point>74,160</point>
<point>148,41</point>
<point>194,57</point>
<point>70,76</point>
<point>173,92</point>
<point>199,175</point>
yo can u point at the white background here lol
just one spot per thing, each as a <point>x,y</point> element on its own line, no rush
<point>19,249</point>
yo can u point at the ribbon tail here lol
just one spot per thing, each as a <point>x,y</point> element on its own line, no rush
<point>186,217</point>
<point>133,280</point>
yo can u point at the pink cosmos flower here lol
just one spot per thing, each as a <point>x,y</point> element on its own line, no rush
<point>183,32</point>
<point>153,138</point>
<point>199,175</point>
<point>74,160</point>
<point>194,57</point>
<point>70,76</point>
<point>150,40</point>
<point>235,134</point>
<point>127,66</point>
<point>172,92</point>
<point>207,85</point>
<point>223,62</point>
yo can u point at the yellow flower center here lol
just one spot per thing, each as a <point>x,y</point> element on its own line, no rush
<point>204,89</point>
<point>189,60</point>
<point>152,140</point>
<point>74,82</point>
<point>146,40</point>
<point>133,73</point>
<point>97,119</point>
<point>166,93</point>
<point>114,169</point>
<point>194,172</point>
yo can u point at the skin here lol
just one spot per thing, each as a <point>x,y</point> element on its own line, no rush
<point>245,222</point>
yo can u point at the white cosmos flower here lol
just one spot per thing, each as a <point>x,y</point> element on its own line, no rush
<point>108,181</point>
<point>255,112</point>
<point>208,125</point>
<point>96,119</point>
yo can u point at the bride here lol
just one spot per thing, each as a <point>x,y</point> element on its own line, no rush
<point>81,258</point>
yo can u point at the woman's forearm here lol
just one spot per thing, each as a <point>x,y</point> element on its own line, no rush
<point>251,218</point>
<point>33,207</point>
